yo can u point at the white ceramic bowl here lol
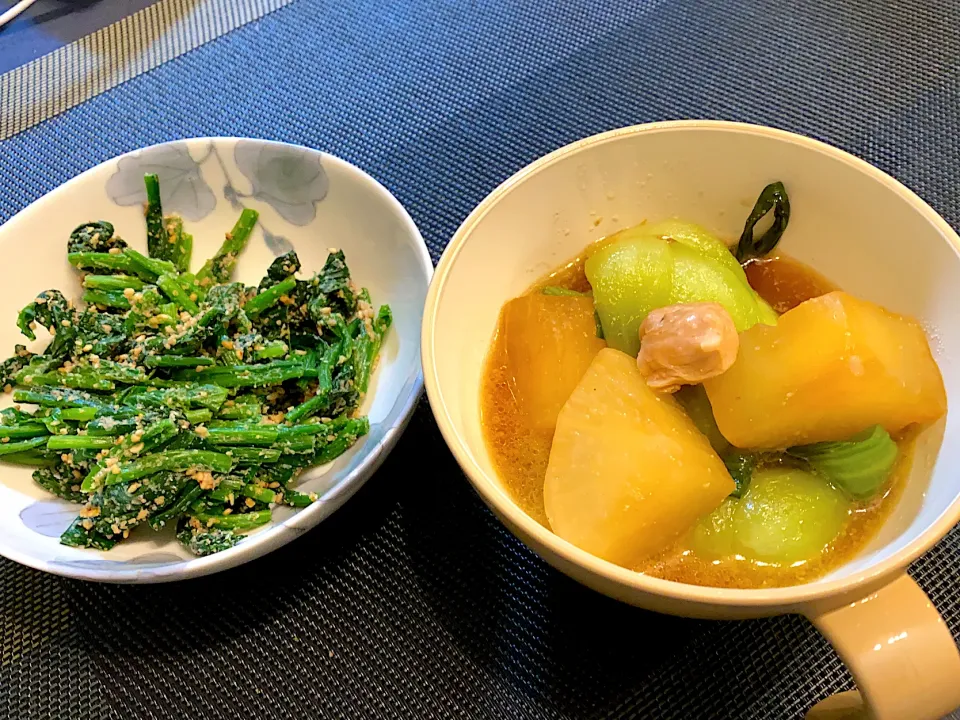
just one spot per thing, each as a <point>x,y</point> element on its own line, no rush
<point>308,201</point>
<point>854,224</point>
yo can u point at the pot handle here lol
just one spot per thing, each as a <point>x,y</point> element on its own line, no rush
<point>900,652</point>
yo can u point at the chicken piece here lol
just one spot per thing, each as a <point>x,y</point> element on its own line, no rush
<point>685,344</point>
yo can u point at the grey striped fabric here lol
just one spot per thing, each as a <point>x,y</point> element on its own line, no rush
<point>79,71</point>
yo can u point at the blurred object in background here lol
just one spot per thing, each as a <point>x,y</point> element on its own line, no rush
<point>14,11</point>
<point>50,24</point>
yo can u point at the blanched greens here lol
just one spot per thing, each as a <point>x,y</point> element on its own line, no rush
<point>773,198</point>
<point>645,267</point>
<point>786,516</point>
<point>187,400</point>
<point>861,465</point>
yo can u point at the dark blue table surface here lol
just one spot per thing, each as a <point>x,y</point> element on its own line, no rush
<point>413,601</point>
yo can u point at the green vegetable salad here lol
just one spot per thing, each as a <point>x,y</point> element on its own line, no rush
<point>187,399</point>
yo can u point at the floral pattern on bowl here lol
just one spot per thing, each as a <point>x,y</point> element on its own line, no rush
<point>291,180</point>
<point>308,201</point>
<point>183,189</point>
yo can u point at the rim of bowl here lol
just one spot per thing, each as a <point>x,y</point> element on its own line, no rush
<point>503,504</point>
<point>281,533</point>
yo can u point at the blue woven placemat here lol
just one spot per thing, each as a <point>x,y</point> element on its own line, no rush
<point>413,601</point>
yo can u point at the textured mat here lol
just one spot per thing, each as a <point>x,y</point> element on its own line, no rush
<point>413,601</point>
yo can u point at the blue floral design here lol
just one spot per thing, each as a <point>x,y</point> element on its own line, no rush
<point>48,517</point>
<point>278,244</point>
<point>147,561</point>
<point>182,187</point>
<point>231,195</point>
<point>290,179</point>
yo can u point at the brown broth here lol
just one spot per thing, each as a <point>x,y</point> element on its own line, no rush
<point>520,453</point>
<point>785,283</point>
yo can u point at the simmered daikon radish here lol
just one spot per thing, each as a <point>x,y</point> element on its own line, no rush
<point>629,471</point>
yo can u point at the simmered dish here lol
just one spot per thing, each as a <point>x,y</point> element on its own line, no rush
<point>711,415</point>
